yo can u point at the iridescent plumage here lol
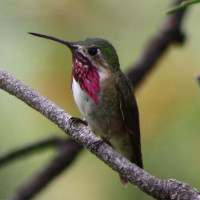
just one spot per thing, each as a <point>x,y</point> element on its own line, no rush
<point>104,95</point>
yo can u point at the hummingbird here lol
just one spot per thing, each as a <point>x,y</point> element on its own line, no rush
<point>104,96</point>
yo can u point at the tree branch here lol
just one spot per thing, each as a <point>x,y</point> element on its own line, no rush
<point>167,189</point>
<point>65,156</point>
<point>169,32</point>
<point>31,148</point>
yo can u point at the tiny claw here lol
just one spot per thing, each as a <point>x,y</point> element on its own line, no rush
<point>75,120</point>
<point>95,145</point>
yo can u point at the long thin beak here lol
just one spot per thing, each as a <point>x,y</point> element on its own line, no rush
<point>69,44</point>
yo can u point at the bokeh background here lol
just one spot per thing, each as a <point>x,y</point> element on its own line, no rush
<point>168,99</point>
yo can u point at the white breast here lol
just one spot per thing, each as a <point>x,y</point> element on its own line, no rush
<point>94,114</point>
<point>81,98</point>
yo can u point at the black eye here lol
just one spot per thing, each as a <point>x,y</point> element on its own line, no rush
<point>93,51</point>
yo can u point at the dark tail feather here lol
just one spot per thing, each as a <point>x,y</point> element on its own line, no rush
<point>138,161</point>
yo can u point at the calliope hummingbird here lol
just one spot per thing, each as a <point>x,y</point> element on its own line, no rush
<point>104,95</point>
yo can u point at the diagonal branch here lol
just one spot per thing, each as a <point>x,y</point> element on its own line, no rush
<point>31,148</point>
<point>169,33</point>
<point>162,190</point>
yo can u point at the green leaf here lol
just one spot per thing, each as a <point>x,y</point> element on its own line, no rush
<point>184,4</point>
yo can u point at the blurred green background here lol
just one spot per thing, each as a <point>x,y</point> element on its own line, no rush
<point>168,99</point>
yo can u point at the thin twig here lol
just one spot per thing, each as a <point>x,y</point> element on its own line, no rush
<point>65,156</point>
<point>162,190</point>
<point>31,148</point>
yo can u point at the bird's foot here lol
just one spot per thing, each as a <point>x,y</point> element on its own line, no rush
<point>95,145</point>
